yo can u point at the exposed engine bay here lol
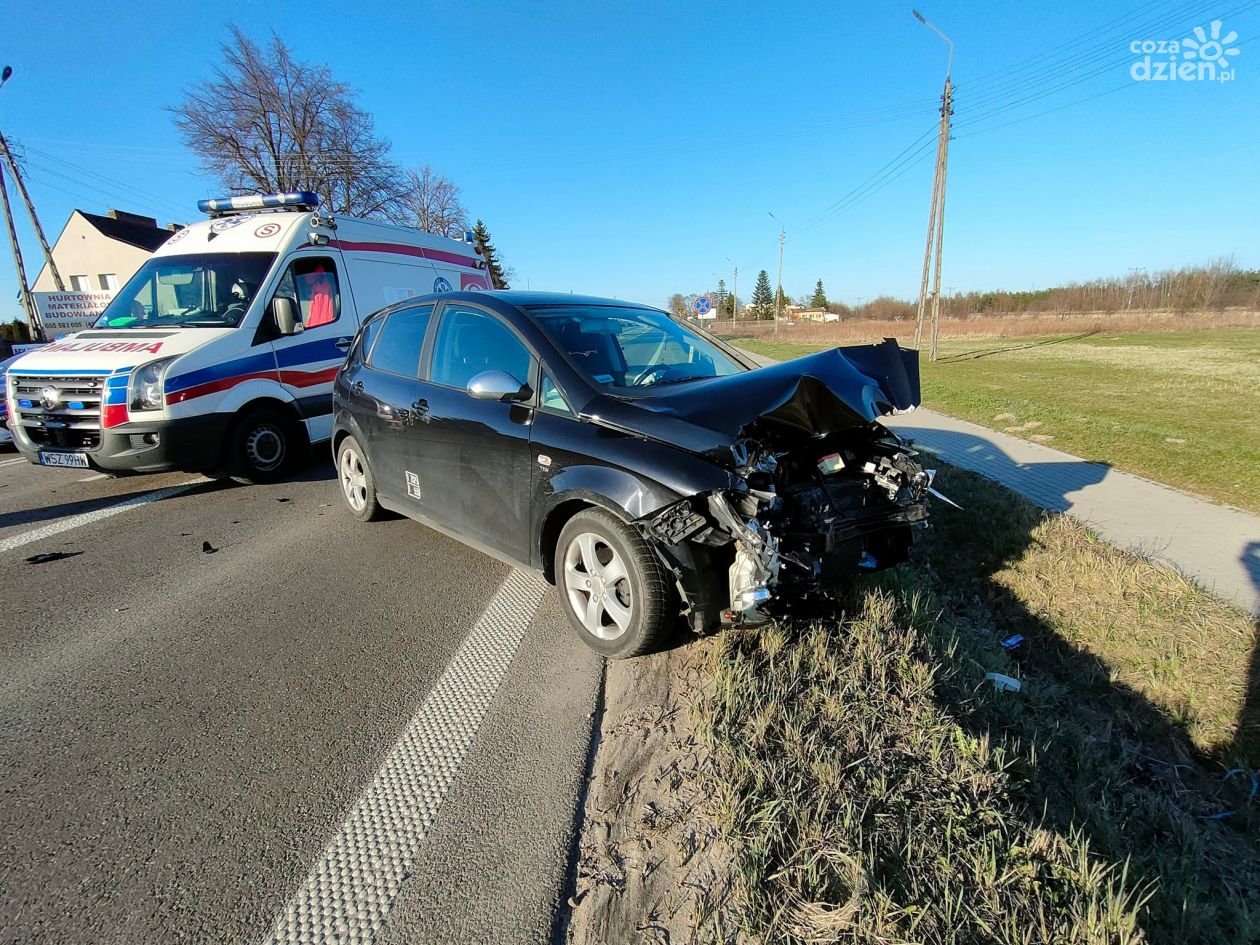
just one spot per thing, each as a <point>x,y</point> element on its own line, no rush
<point>820,489</point>
<point>805,520</point>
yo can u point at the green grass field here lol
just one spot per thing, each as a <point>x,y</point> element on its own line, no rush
<point>1181,408</point>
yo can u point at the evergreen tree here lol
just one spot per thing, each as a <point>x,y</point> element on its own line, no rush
<point>762,297</point>
<point>783,302</point>
<point>481,239</point>
<point>820,297</point>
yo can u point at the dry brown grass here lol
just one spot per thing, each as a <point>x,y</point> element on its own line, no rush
<point>992,326</point>
<point>874,788</point>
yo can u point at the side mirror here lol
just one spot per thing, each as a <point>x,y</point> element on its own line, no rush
<point>497,385</point>
<point>286,318</point>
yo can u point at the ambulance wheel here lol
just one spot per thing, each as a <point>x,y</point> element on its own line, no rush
<point>262,446</point>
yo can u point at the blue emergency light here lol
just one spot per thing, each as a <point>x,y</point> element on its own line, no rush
<point>301,199</point>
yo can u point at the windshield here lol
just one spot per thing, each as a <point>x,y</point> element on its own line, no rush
<point>199,290</point>
<point>632,348</point>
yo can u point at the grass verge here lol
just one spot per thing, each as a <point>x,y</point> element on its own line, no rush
<point>875,788</point>
<point>1182,408</point>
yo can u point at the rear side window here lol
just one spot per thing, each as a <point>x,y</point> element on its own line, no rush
<point>397,349</point>
<point>370,331</point>
<point>470,342</point>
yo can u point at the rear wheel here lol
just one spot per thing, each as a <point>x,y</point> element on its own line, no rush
<point>263,445</point>
<point>358,487</point>
<point>613,586</point>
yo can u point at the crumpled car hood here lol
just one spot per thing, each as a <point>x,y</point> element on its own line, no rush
<point>782,404</point>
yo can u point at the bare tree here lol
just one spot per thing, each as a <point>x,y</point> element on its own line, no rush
<point>267,122</point>
<point>430,202</point>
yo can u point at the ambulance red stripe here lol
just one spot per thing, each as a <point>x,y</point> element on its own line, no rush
<point>437,255</point>
<point>292,378</point>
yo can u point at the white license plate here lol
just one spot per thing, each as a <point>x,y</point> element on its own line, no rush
<point>76,460</point>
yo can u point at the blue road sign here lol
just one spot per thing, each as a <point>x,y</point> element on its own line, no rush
<point>702,305</point>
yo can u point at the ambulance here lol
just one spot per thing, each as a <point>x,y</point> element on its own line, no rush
<point>219,353</point>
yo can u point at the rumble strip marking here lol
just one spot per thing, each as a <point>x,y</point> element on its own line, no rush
<point>87,518</point>
<point>348,891</point>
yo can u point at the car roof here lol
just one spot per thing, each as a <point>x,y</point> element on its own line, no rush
<point>515,298</point>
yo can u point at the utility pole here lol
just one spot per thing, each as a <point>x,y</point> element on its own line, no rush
<point>28,300</point>
<point>734,291</point>
<point>936,217</point>
<point>30,209</point>
<point>778,292</point>
<point>28,303</point>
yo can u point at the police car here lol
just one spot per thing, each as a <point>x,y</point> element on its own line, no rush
<point>220,352</point>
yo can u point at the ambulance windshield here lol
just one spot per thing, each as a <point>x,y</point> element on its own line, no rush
<point>198,290</point>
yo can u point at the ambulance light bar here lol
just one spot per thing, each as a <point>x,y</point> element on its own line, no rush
<point>299,200</point>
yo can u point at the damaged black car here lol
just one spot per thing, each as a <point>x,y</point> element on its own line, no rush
<point>645,468</point>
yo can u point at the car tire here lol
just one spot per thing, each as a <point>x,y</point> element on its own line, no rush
<point>612,586</point>
<point>358,485</point>
<point>262,446</point>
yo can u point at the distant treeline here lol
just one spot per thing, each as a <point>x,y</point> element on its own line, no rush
<point>1217,286</point>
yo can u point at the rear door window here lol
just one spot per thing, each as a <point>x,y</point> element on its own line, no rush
<point>397,347</point>
<point>469,342</point>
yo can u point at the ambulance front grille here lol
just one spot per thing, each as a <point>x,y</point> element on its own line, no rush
<point>61,412</point>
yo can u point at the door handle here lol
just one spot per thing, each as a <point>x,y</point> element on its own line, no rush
<point>421,406</point>
<point>343,344</point>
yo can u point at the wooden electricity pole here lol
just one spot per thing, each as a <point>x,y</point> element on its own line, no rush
<point>30,209</point>
<point>28,302</point>
<point>936,228</point>
<point>936,216</point>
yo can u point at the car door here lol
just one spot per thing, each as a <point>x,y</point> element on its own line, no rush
<point>385,397</point>
<point>307,362</point>
<point>473,455</point>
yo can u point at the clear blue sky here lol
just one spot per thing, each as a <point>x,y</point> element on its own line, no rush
<point>629,149</point>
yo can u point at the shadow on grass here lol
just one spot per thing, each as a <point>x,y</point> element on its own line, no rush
<point>988,352</point>
<point>1101,759</point>
<point>1248,737</point>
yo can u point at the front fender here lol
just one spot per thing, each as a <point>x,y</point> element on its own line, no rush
<point>618,490</point>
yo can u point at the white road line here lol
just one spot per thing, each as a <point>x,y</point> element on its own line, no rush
<point>348,892</point>
<point>13,462</point>
<point>97,478</point>
<point>87,518</point>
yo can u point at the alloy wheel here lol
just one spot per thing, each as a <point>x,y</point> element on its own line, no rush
<point>597,585</point>
<point>353,479</point>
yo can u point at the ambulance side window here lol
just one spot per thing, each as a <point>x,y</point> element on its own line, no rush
<point>310,283</point>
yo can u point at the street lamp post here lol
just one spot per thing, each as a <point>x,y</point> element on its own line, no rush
<point>778,292</point>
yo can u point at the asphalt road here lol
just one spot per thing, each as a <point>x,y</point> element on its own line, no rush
<point>189,738</point>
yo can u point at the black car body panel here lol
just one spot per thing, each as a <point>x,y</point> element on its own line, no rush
<point>811,397</point>
<point>761,490</point>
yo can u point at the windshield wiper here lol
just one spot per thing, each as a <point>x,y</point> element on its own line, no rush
<point>683,380</point>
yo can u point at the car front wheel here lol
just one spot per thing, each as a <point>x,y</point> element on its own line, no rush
<point>613,586</point>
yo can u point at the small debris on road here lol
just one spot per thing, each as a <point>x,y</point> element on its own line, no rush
<point>208,548</point>
<point>47,556</point>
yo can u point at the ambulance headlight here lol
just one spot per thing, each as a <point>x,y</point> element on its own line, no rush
<point>146,385</point>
